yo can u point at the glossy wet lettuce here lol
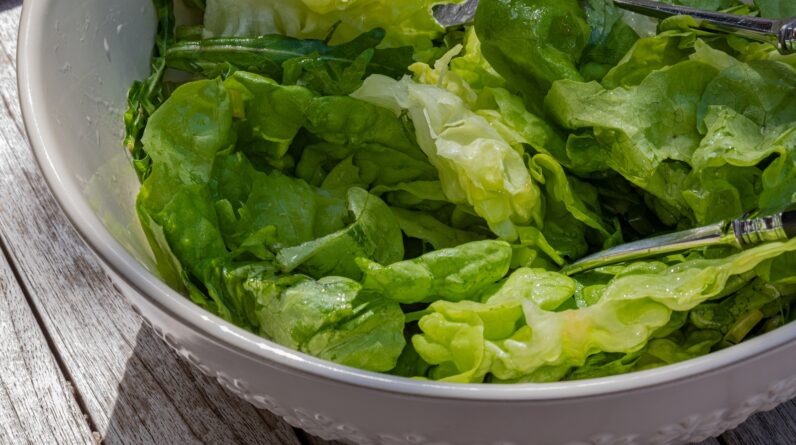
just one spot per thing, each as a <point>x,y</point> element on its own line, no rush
<point>400,198</point>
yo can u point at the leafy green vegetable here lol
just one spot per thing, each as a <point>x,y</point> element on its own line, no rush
<point>329,69</point>
<point>215,209</point>
<point>450,274</point>
<point>323,190</point>
<point>611,38</point>
<point>373,234</point>
<point>776,9</point>
<point>408,22</point>
<point>511,334</point>
<point>429,229</point>
<point>477,166</point>
<point>552,33</point>
<point>328,318</point>
<point>144,97</point>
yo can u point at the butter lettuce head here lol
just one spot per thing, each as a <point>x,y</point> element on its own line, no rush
<point>417,226</point>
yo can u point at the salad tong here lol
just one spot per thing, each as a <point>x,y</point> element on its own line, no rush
<point>740,233</point>
<point>781,33</point>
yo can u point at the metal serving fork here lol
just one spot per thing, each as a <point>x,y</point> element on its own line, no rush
<point>741,233</point>
<point>781,33</point>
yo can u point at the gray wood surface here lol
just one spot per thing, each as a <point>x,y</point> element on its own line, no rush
<point>78,366</point>
<point>35,399</point>
<point>130,385</point>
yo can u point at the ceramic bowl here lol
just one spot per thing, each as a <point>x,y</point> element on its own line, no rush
<point>76,61</point>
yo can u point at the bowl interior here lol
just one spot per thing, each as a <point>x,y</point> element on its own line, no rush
<point>84,61</point>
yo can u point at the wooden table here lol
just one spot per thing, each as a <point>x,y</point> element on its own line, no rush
<point>78,366</point>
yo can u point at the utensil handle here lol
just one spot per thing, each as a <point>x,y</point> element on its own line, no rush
<point>780,226</point>
<point>787,37</point>
<point>789,223</point>
<point>731,21</point>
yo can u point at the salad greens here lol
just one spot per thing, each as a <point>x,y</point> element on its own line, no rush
<point>351,180</point>
<point>406,22</point>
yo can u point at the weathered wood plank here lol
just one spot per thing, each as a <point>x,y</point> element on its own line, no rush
<point>135,389</point>
<point>36,404</point>
<point>777,427</point>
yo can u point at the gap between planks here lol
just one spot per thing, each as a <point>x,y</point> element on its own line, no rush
<point>36,400</point>
<point>135,389</point>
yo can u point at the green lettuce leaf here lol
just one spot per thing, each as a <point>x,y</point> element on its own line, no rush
<point>643,125</point>
<point>296,211</point>
<point>374,233</point>
<point>176,195</point>
<point>776,9</point>
<point>425,227</point>
<point>328,318</point>
<point>237,230</point>
<point>650,54</point>
<point>452,274</point>
<point>477,167</point>
<point>552,34</point>
<point>611,38</point>
<point>466,344</point>
<point>327,69</point>
<point>408,22</point>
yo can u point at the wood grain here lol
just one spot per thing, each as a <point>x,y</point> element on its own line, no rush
<point>129,386</point>
<point>36,404</point>
<point>773,427</point>
<point>134,389</point>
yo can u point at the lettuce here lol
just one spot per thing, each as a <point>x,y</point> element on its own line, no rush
<point>406,22</point>
<point>516,332</point>
<point>776,9</point>
<point>699,146</point>
<point>243,233</point>
<point>407,210</point>
<point>451,274</point>
<point>329,318</point>
<point>553,34</point>
<point>328,69</point>
<point>477,167</point>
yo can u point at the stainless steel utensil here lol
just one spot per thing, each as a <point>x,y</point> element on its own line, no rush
<point>781,33</point>
<point>455,14</point>
<point>740,233</point>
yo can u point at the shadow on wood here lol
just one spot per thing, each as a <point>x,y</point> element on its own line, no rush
<point>161,399</point>
<point>9,4</point>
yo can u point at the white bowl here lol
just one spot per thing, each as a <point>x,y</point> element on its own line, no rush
<point>76,61</point>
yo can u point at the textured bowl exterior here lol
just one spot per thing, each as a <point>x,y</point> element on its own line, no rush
<point>76,61</point>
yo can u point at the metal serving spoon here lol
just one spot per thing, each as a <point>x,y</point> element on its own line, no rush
<point>740,233</point>
<point>781,33</point>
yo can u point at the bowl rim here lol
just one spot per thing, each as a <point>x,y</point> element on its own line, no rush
<point>39,127</point>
